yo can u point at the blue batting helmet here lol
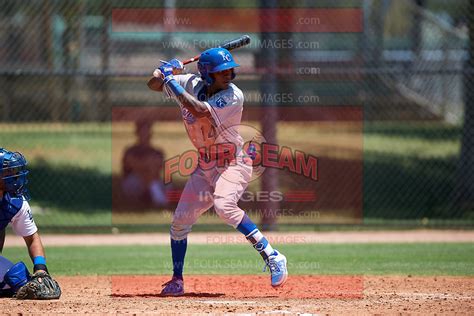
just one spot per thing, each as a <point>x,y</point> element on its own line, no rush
<point>13,176</point>
<point>215,60</point>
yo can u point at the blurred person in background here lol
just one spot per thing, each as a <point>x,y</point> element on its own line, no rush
<point>141,170</point>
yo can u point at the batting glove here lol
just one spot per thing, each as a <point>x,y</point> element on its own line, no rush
<point>172,67</point>
<point>167,70</point>
<point>177,64</point>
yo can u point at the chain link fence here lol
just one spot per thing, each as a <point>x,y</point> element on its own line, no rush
<point>374,94</point>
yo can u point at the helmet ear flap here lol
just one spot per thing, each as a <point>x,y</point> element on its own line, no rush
<point>201,67</point>
<point>203,70</point>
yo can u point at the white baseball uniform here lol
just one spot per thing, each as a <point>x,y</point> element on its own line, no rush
<point>17,211</point>
<point>224,185</point>
<point>22,223</point>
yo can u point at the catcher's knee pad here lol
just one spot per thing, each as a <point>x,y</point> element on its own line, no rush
<point>179,231</point>
<point>17,276</point>
<point>228,210</point>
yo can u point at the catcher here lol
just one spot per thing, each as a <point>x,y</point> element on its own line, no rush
<point>15,279</point>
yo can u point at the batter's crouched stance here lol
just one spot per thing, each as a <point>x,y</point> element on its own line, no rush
<point>15,280</point>
<point>211,108</point>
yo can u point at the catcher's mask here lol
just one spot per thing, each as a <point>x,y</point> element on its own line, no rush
<point>13,176</point>
<point>215,60</point>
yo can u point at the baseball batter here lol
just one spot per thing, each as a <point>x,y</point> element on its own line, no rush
<point>211,107</point>
<point>15,209</point>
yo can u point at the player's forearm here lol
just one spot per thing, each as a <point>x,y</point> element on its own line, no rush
<point>35,246</point>
<point>36,251</point>
<point>193,105</point>
<point>187,100</point>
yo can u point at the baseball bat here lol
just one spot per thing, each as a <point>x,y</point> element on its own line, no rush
<point>230,45</point>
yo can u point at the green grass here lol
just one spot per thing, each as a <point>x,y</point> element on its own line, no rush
<point>343,259</point>
<point>412,140</point>
<point>85,145</point>
<point>55,217</point>
<point>409,168</point>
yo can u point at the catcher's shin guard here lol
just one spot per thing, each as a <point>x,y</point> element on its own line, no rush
<point>17,276</point>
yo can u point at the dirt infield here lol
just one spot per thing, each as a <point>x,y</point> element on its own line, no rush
<point>252,294</point>
<point>244,286</point>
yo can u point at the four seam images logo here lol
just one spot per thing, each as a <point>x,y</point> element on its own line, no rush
<point>222,154</point>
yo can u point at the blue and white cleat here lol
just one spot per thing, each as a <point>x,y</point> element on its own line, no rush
<point>277,265</point>
<point>174,287</point>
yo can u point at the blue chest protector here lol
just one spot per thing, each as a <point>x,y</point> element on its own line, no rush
<point>9,207</point>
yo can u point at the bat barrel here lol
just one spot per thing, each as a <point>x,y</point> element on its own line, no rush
<point>238,42</point>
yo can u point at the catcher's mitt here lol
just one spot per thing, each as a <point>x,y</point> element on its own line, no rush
<point>40,287</point>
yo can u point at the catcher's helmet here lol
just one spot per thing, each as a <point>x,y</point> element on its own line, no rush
<point>215,60</point>
<point>13,176</point>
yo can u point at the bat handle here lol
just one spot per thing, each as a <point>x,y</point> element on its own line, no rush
<point>190,60</point>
